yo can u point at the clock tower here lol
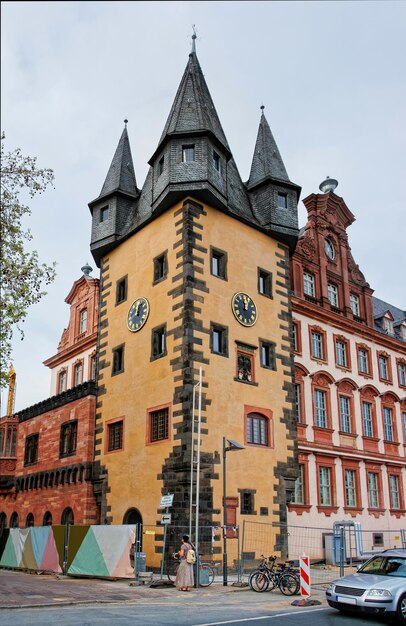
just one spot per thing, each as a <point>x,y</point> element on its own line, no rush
<point>195,277</point>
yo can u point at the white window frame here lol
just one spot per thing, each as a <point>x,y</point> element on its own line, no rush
<point>367,419</point>
<point>309,284</point>
<point>394,491</point>
<point>332,292</point>
<point>317,345</point>
<point>345,414</point>
<point>325,486</point>
<point>363,361</point>
<point>373,490</point>
<point>320,408</point>
<point>354,304</point>
<point>341,353</point>
<point>350,488</point>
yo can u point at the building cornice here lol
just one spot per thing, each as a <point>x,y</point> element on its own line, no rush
<point>68,353</point>
<point>315,312</point>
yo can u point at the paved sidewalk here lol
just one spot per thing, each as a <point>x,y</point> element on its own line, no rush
<point>22,590</point>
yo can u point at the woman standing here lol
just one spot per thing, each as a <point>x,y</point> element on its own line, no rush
<point>184,577</point>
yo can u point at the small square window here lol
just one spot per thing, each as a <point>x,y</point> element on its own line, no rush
<point>121,290</point>
<point>216,161</point>
<point>158,342</point>
<point>188,153</point>
<point>268,355</point>
<point>115,436</point>
<point>218,263</point>
<point>118,360</point>
<point>247,503</point>
<point>159,425</point>
<point>161,166</point>
<point>264,282</point>
<point>104,214</point>
<point>160,267</point>
<point>282,201</point>
<point>219,340</point>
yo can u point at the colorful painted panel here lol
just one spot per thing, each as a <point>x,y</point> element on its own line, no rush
<point>105,552</point>
<point>31,548</point>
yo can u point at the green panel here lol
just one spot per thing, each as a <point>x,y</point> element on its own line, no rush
<point>76,538</point>
<point>59,536</point>
<point>89,559</point>
<point>9,558</point>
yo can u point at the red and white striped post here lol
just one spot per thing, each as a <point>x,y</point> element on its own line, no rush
<point>304,566</point>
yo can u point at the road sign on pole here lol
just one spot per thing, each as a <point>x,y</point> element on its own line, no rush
<point>304,566</point>
<point>166,501</point>
<point>166,518</point>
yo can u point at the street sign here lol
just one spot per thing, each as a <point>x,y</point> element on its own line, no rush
<point>166,518</point>
<point>166,501</point>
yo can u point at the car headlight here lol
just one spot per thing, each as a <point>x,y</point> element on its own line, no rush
<point>330,587</point>
<point>379,593</point>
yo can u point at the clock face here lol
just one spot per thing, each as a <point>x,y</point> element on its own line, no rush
<point>137,314</point>
<point>244,309</point>
<point>329,248</point>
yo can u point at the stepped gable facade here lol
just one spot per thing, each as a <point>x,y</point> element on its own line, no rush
<point>47,473</point>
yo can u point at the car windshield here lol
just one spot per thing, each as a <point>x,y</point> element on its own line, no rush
<point>385,566</point>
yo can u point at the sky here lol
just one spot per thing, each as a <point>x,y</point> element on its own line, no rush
<point>331,76</point>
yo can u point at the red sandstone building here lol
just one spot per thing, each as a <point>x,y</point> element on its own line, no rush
<point>47,473</point>
<point>350,364</point>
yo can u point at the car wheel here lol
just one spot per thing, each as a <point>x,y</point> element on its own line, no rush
<point>401,610</point>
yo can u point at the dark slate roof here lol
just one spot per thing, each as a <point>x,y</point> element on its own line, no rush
<point>121,175</point>
<point>267,161</point>
<point>193,109</point>
<point>380,307</point>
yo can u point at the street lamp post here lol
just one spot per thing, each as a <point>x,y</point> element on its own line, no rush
<point>233,445</point>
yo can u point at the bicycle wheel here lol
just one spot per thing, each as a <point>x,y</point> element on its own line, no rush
<point>172,571</point>
<point>288,584</point>
<point>259,582</point>
<point>206,575</point>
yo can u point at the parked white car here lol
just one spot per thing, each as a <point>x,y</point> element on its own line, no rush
<point>377,588</point>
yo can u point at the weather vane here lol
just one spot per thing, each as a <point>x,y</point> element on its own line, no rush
<point>194,37</point>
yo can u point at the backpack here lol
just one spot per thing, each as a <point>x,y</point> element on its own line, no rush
<point>191,556</point>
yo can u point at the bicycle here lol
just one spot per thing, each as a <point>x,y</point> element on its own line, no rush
<point>206,571</point>
<point>265,577</point>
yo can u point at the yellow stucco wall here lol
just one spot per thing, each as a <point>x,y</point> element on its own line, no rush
<point>132,472</point>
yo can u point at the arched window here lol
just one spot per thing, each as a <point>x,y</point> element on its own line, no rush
<point>257,429</point>
<point>67,516</point>
<point>14,521</point>
<point>29,520</point>
<point>133,516</point>
<point>47,519</point>
<point>62,378</point>
<point>3,522</point>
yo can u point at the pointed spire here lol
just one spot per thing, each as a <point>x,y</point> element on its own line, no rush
<point>193,109</point>
<point>121,175</point>
<point>194,37</point>
<point>267,161</point>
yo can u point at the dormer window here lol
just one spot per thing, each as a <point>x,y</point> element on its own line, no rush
<point>308,284</point>
<point>161,166</point>
<point>403,332</point>
<point>282,201</point>
<point>104,214</point>
<point>388,325</point>
<point>188,153</point>
<point>216,161</point>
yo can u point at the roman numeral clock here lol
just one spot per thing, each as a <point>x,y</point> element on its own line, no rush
<point>244,309</point>
<point>137,314</point>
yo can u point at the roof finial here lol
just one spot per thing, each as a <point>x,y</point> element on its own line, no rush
<point>328,185</point>
<point>194,37</point>
<point>126,122</point>
<point>86,269</point>
<point>262,107</point>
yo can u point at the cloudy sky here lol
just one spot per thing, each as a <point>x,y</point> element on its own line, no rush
<point>330,74</point>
